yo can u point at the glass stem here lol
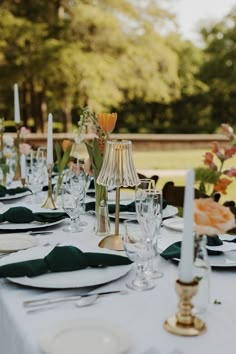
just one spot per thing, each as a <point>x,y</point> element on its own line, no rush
<point>140,275</point>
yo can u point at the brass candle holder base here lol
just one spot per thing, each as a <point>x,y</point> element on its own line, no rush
<point>49,202</point>
<point>112,242</point>
<point>184,323</point>
<point>23,182</point>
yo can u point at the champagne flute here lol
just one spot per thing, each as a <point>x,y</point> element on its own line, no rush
<point>70,204</point>
<point>149,215</point>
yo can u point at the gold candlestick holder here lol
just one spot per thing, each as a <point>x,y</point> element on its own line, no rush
<point>23,181</point>
<point>49,202</point>
<point>17,176</point>
<point>183,323</point>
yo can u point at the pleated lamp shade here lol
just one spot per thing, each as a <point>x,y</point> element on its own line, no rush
<point>118,166</point>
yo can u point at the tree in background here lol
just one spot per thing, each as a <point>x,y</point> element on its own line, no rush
<point>114,55</point>
<point>219,69</point>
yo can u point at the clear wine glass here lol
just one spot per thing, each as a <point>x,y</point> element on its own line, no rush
<point>149,215</point>
<point>137,249</point>
<point>78,185</point>
<point>70,204</point>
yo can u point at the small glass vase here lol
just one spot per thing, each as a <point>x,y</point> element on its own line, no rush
<point>202,271</point>
<point>102,218</point>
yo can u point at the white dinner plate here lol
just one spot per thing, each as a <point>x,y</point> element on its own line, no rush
<point>28,226</point>
<point>87,337</point>
<point>176,224</point>
<point>168,212</point>
<point>64,280</point>
<point>15,196</point>
<point>15,242</point>
<point>224,260</point>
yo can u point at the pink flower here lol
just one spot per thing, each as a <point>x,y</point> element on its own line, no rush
<point>231,172</point>
<point>23,132</point>
<point>216,150</point>
<point>25,149</point>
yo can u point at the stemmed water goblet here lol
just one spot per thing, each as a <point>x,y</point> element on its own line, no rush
<point>148,204</point>
<point>78,184</point>
<point>70,205</point>
<point>138,250</point>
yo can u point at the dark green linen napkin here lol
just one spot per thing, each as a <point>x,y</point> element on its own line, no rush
<point>22,215</point>
<point>112,207</point>
<point>62,259</point>
<point>12,191</point>
<point>173,251</point>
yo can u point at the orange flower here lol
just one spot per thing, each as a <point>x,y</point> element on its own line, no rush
<point>222,185</point>
<point>65,144</point>
<point>211,218</point>
<point>229,152</point>
<point>208,160</point>
<point>107,121</point>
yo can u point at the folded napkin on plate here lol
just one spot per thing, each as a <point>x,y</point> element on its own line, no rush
<point>112,207</point>
<point>22,215</point>
<point>12,191</point>
<point>173,251</point>
<point>62,259</point>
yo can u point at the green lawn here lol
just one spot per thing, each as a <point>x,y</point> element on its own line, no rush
<point>178,160</point>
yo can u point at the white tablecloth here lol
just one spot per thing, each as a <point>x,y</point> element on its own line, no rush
<point>141,314</point>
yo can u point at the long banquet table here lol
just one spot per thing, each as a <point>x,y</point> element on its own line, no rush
<point>140,314</point>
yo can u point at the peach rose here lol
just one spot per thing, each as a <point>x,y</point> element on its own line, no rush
<point>211,218</point>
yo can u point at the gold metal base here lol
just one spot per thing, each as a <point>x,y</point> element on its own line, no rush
<point>49,203</point>
<point>184,323</point>
<point>112,242</point>
<point>23,181</point>
<point>195,329</point>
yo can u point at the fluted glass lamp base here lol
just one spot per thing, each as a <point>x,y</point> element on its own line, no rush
<point>112,242</point>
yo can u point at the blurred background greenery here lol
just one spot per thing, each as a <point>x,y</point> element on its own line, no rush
<point>125,56</point>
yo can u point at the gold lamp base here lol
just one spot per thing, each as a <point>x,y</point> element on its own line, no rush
<point>49,203</point>
<point>112,242</point>
<point>184,323</point>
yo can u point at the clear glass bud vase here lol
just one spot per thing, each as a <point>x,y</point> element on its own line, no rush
<point>102,217</point>
<point>202,271</point>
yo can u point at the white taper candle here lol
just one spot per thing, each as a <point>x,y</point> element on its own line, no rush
<point>49,141</point>
<point>22,166</point>
<point>16,104</point>
<point>187,248</point>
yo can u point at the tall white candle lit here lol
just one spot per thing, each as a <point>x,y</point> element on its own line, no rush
<point>49,141</point>
<point>22,166</point>
<point>16,104</point>
<point>187,248</point>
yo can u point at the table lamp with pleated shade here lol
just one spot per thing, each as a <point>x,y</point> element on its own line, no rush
<point>117,171</point>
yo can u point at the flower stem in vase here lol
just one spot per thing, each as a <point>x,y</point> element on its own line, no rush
<point>102,222</point>
<point>202,272</point>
